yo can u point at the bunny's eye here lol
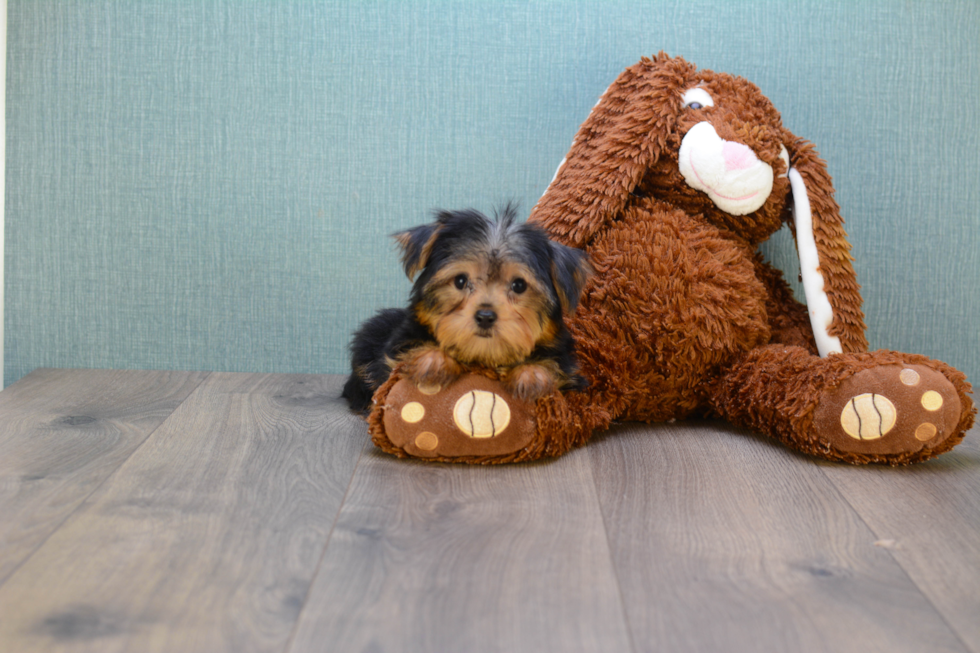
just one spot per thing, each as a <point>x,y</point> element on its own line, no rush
<point>697,98</point>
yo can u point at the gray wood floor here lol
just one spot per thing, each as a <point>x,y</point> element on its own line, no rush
<point>173,511</point>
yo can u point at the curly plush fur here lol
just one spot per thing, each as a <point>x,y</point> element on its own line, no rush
<point>701,323</point>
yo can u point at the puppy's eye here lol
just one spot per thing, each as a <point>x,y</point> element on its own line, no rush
<point>695,105</point>
<point>460,281</point>
<point>518,285</point>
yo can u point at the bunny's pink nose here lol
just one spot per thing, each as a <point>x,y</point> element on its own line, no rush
<point>737,156</point>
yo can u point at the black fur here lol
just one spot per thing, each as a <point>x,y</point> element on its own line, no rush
<point>426,249</point>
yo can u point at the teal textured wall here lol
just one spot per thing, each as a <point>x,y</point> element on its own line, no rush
<point>209,184</point>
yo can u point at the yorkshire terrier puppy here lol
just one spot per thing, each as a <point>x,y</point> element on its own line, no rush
<point>491,293</point>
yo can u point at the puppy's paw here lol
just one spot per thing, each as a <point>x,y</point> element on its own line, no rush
<point>431,369</point>
<point>531,381</point>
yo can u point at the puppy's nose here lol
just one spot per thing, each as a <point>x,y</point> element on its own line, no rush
<point>485,318</point>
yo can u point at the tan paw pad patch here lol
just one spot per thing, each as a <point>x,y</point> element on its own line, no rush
<point>925,431</point>
<point>413,412</point>
<point>909,376</point>
<point>481,414</point>
<point>932,401</point>
<point>868,416</point>
<point>427,441</point>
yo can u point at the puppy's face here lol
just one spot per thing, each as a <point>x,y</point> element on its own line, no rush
<point>490,291</point>
<point>486,308</point>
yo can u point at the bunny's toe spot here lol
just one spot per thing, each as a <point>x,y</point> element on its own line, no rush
<point>427,441</point>
<point>932,401</point>
<point>413,412</point>
<point>925,432</point>
<point>908,376</point>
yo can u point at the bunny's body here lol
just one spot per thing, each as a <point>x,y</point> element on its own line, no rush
<point>671,184</point>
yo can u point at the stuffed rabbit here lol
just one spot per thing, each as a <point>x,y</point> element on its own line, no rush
<point>670,185</point>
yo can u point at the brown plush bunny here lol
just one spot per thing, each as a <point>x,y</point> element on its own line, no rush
<point>670,185</point>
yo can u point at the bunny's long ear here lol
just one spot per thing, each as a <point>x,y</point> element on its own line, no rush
<point>622,137</point>
<point>832,291</point>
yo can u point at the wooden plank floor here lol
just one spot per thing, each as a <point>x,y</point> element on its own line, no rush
<point>172,511</point>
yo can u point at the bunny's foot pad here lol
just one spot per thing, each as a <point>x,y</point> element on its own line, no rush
<point>473,418</point>
<point>890,410</point>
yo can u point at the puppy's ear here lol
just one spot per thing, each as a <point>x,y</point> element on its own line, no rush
<point>832,291</point>
<point>416,245</point>
<point>570,269</point>
<point>620,140</point>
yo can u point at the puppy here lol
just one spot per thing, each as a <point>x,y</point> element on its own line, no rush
<point>491,293</point>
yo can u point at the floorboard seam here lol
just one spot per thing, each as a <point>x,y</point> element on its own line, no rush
<point>898,562</point>
<point>612,563</point>
<point>99,485</point>
<point>290,641</point>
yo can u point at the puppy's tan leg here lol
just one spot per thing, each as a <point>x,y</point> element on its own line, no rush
<point>531,381</point>
<point>429,367</point>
